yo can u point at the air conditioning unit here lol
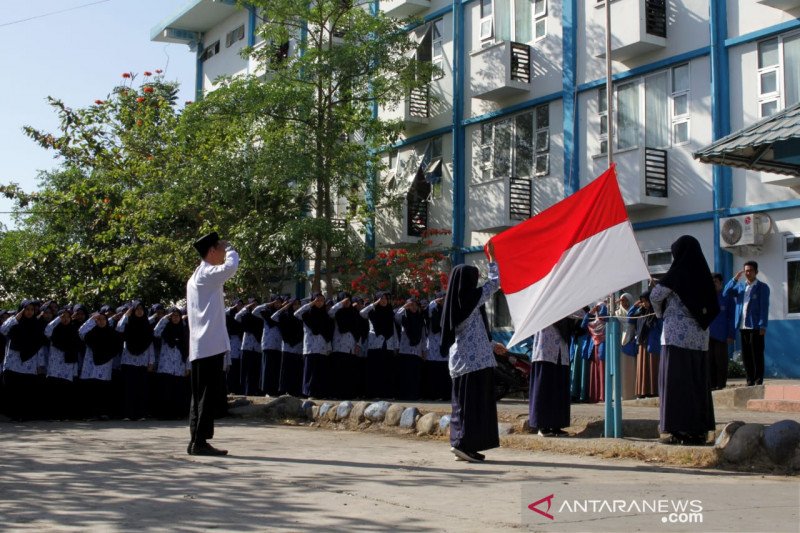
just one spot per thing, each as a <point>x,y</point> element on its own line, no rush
<point>744,230</point>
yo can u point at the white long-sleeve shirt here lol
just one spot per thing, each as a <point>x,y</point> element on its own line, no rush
<point>205,304</point>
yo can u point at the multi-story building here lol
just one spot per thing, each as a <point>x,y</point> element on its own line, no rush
<point>518,120</point>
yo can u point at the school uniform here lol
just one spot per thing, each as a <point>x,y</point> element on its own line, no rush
<point>21,368</point>
<point>251,352</point>
<point>408,374</point>
<point>382,343</point>
<point>134,365</point>
<point>173,390</point>
<point>436,381</point>
<point>62,368</point>
<point>270,349</point>
<point>343,358</point>
<point>95,383</point>
<point>235,332</point>
<point>315,351</point>
<point>549,407</point>
<point>752,315</point>
<point>291,376</point>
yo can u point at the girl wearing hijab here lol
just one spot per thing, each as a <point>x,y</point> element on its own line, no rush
<point>270,345</point>
<point>436,381</point>
<point>172,373</point>
<point>648,341</point>
<point>291,328</point>
<point>595,323</point>
<point>381,346</point>
<point>251,349</point>
<point>62,364</point>
<point>549,386</point>
<point>344,347</point>
<point>103,345</point>
<point>24,360</point>
<point>466,339</point>
<point>317,336</point>
<point>687,301</point>
<point>235,332</point>
<point>411,322</point>
<point>627,346</point>
<point>359,380</point>
<point>138,358</point>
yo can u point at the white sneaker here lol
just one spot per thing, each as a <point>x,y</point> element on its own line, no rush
<point>464,456</point>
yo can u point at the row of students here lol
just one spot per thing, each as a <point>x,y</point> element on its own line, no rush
<point>65,362</point>
<point>348,348</point>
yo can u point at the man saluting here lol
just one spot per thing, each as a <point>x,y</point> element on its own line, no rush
<point>208,337</point>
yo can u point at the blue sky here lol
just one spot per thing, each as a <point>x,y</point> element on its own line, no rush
<point>77,56</point>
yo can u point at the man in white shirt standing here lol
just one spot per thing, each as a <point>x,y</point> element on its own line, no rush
<point>208,337</point>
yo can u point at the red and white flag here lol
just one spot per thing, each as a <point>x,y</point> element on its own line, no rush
<point>570,255</point>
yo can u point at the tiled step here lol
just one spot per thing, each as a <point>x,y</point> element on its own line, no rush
<point>782,392</point>
<point>774,406</point>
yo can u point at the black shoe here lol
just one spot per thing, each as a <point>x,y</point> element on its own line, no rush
<point>477,455</point>
<point>558,433</point>
<point>207,449</point>
<point>465,455</point>
<point>668,439</point>
<point>189,448</point>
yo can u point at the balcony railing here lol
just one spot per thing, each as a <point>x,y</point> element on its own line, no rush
<point>417,214</point>
<point>519,198</point>
<point>520,62</point>
<point>419,103</point>
<point>656,17</point>
<point>655,172</point>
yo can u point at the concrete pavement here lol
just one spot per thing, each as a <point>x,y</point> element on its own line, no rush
<point>123,476</point>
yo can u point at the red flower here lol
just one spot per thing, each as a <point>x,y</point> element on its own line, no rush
<point>354,285</point>
<point>106,200</point>
<point>99,102</point>
<point>139,122</point>
<point>148,89</point>
<point>443,279</point>
<point>188,102</point>
<point>414,292</point>
<point>159,71</point>
<point>148,73</point>
<point>140,99</point>
<point>382,255</point>
<point>126,74</point>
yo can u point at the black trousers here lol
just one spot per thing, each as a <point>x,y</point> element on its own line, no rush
<point>718,364</point>
<point>206,380</point>
<point>753,355</point>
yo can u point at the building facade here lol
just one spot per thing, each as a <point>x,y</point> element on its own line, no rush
<point>517,120</point>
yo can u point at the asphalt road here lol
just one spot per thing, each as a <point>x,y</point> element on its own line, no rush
<point>125,476</point>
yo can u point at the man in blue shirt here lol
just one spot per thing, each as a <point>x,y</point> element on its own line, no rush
<point>722,332</point>
<point>752,310</point>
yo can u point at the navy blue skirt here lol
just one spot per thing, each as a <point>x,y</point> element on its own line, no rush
<point>271,363</point>
<point>473,422</point>
<point>686,403</point>
<point>409,377</point>
<point>291,380</point>
<point>549,396</point>
<point>315,375</point>
<point>436,382</point>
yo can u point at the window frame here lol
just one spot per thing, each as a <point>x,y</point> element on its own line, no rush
<point>789,257</point>
<point>537,18</point>
<point>486,23</point>
<point>437,60</point>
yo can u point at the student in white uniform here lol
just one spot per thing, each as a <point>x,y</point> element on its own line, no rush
<point>208,337</point>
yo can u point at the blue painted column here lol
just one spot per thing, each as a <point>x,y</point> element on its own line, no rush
<point>459,159</point>
<point>371,174</point>
<point>198,73</point>
<point>569,44</point>
<point>251,26</point>
<point>721,123</point>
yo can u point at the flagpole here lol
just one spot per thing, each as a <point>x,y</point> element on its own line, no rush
<point>613,384</point>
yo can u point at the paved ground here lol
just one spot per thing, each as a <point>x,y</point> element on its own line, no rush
<point>137,476</point>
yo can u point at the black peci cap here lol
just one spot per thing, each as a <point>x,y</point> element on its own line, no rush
<point>205,243</point>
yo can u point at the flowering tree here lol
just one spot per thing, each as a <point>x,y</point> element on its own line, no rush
<point>419,269</point>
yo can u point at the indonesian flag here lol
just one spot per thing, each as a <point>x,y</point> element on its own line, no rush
<point>572,254</point>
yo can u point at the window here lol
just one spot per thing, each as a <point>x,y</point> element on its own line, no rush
<point>602,112</point>
<point>437,53</point>
<point>664,107</point>
<point>792,254</point>
<point>210,51</point>
<point>778,73</point>
<point>627,116</point>
<point>433,172</point>
<point>540,18</point>
<point>234,36</point>
<point>516,147</point>
<point>501,316</point>
<point>511,20</point>
<point>487,21</point>
<point>680,104</point>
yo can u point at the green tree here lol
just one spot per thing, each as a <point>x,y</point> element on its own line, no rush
<point>320,98</point>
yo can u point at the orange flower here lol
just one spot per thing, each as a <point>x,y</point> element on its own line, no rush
<point>126,74</point>
<point>139,122</point>
<point>148,73</point>
<point>159,71</point>
<point>140,99</point>
<point>99,102</point>
<point>148,89</point>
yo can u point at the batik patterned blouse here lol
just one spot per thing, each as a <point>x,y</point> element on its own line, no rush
<point>680,328</point>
